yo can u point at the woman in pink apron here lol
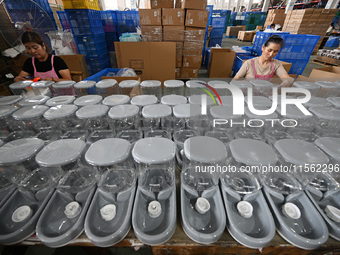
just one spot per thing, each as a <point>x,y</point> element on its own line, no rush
<point>42,65</point>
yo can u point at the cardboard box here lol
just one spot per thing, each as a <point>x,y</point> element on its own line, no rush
<point>189,73</point>
<point>150,17</point>
<point>178,4</point>
<point>150,60</point>
<point>192,48</point>
<point>178,72</point>
<point>194,34</point>
<point>192,61</point>
<point>233,30</point>
<point>259,27</point>
<point>221,62</point>
<point>194,4</point>
<point>152,33</point>
<point>173,17</point>
<point>196,18</point>
<point>325,72</point>
<point>179,48</point>
<point>179,61</point>
<point>246,36</point>
<point>155,4</point>
<point>173,33</point>
<point>77,66</point>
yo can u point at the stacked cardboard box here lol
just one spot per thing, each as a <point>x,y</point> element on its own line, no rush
<point>276,16</point>
<point>309,21</point>
<point>246,36</point>
<point>233,30</point>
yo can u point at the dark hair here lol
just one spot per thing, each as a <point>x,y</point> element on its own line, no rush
<point>30,36</point>
<point>272,25</point>
<point>274,39</point>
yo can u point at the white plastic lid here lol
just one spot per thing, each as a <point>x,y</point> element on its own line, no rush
<point>116,100</point>
<point>72,209</point>
<point>84,84</point>
<point>156,111</point>
<point>334,101</point>
<point>306,85</point>
<point>20,84</point>
<point>143,100</point>
<point>290,210</point>
<point>261,83</point>
<point>245,209</point>
<point>192,84</point>
<point>205,149</point>
<point>60,152</point>
<point>22,213</point>
<point>328,113</point>
<point>330,145</point>
<point>316,101</point>
<point>186,110</point>
<point>150,84</point>
<point>173,100</point>
<point>108,212</point>
<point>241,84</point>
<point>19,150</point>
<point>300,152</point>
<point>59,100</point>
<point>154,150</point>
<point>255,116</point>
<point>63,84</point>
<point>107,83</point>
<point>328,84</point>
<point>252,152</point>
<point>8,100</point>
<point>42,84</point>
<point>34,100</point>
<point>173,83</point>
<point>7,110</point>
<point>333,213</point>
<point>218,84</point>
<point>202,205</point>
<point>197,99</point>
<point>293,112</point>
<point>88,100</point>
<point>129,84</point>
<point>29,112</point>
<point>92,111</point>
<point>123,111</point>
<point>260,101</point>
<point>60,111</point>
<point>223,112</point>
<point>154,209</point>
<point>108,151</point>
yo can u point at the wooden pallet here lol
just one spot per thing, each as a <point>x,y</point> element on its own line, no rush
<point>334,62</point>
<point>227,36</point>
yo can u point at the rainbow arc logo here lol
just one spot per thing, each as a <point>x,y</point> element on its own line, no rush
<point>209,93</point>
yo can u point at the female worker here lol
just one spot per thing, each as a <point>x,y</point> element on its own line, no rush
<point>265,66</point>
<point>42,65</point>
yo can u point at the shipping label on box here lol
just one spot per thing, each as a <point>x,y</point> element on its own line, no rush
<point>189,73</point>
<point>196,18</point>
<point>192,48</point>
<point>173,17</point>
<point>194,34</point>
<point>192,61</point>
<point>150,17</point>
<point>173,33</point>
<point>194,4</point>
<point>152,33</point>
<point>155,4</point>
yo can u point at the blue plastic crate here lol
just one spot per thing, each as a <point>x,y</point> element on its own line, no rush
<point>95,65</point>
<point>261,38</point>
<point>109,21</point>
<point>85,22</point>
<point>206,58</point>
<point>214,41</point>
<point>332,42</point>
<point>239,61</point>
<point>218,21</point>
<point>91,45</point>
<point>297,66</point>
<point>98,76</point>
<point>64,20</point>
<point>217,33</point>
<point>111,37</point>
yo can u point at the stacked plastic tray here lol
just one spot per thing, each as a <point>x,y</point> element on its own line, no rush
<point>109,22</point>
<point>127,21</point>
<point>218,23</point>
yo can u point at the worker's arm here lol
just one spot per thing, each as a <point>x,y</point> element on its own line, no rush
<point>287,81</point>
<point>21,76</point>
<point>66,76</point>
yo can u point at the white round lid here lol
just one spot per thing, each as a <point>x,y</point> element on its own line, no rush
<point>7,110</point>
<point>22,213</point>
<point>333,213</point>
<point>143,100</point>
<point>223,112</point>
<point>173,100</point>
<point>173,83</point>
<point>328,113</point>
<point>290,210</point>
<point>123,111</point>
<point>107,83</point>
<point>255,116</point>
<point>317,101</point>
<point>218,84</point>
<point>328,84</point>
<point>186,110</point>
<point>60,152</point>
<point>293,112</point>
<point>261,83</point>
<point>197,99</point>
<point>260,101</point>
<point>300,152</point>
<point>154,209</point>
<point>72,209</point>
<point>150,84</point>
<point>84,84</point>
<point>156,111</point>
<point>92,111</point>
<point>226,100</point>
<point>60,100</point>
<point>330,145</point>
<point>88,100</point>
<point>192,84</point>
<point>202,205</point>
<point>20,84</point>
<point>252,152</point>
<point>241,84</point>
<point>245,209</point>
<point>116,100</point>
<point>7,100</point>
<point>129,84</point>
<point>63,84</point>
<point>34,100</point>
<point>42,84</point>
<point>306,85</point>
<point>108,151</point>
<point>60,111</point>
<point>19,150</point>
<point>334,101</point>
<point>28,112</point>
<point>108,212</point>
<point>205,149</point>
<point>154,150</point>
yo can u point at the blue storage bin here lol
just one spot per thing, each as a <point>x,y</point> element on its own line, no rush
<point>111,37</point>
<point>64,20</point>
<point>95,65</point>
<point>127,21</point>
<point>239,61</point>
<point>98,76</point>
<point>214,41</point>
<point>217,32</point>
<point>218,21</point>
<point>109,21</point>
<point>85,22</point>
<point>297,66</point>
<point>332,42</point>
<point>91,45</point>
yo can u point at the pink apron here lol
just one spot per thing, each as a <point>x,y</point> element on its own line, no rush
<point>263,77</point>
<point>52,73</point>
